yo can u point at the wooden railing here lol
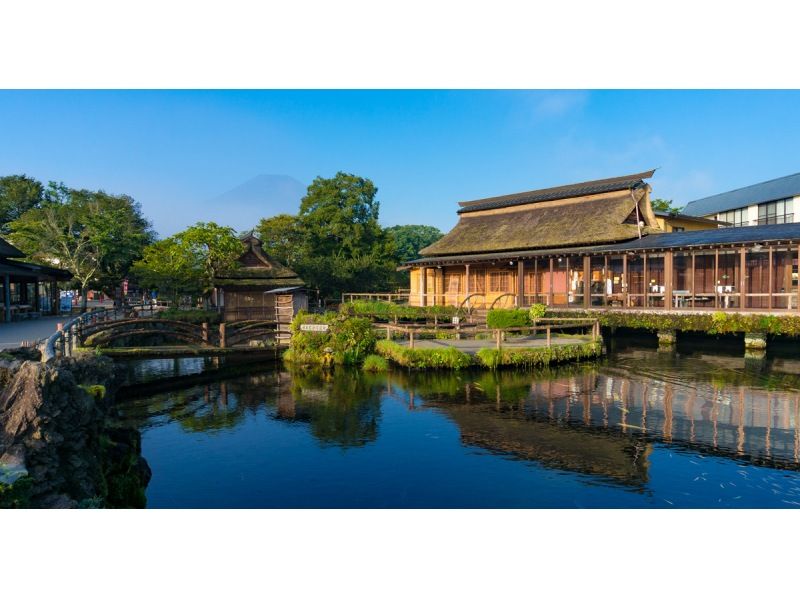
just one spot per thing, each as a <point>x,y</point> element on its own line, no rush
<point>391,297</point>
<point>546,325</point>
<point>63,342</point>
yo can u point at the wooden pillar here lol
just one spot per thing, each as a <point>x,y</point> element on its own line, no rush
<point>770,277</point>
<point>423,286</point>
<point>605,279</point>
<point>668,280</point>
<point>520,283</point>
<point>36,296</point>
<point>537,290</point>
<point>7,296</point>
<point>716,278</point>
<point>222,339</point>
<point>550,290</point>
<point>624,280</point>
<point>693,276</point>
<point>587,283</point>
<point>205,332</point>
<point>466,281</point>
<point>742,276</point>
<point>646,280</point>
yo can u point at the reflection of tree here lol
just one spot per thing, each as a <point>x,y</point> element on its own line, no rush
<point>343,408</point>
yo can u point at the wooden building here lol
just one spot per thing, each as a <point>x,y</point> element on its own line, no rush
<point>28,290</point>
<point>260,288</point>
<point>598,244</point>
<point>671,222</point>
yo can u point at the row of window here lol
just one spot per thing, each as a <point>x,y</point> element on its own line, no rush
<point>773,212</point>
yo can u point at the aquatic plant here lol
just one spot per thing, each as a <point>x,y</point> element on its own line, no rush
<point>386,311</point>
<point>446,358</point>
<point>348,340</point>
<point>375,363</point>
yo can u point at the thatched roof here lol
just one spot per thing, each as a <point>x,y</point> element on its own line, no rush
<point>594,219</point>
<point>257,268</point>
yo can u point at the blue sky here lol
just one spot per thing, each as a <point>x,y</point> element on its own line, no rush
<point>425,150</point>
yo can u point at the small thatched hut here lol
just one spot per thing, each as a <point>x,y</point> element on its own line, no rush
<point>260,288</point>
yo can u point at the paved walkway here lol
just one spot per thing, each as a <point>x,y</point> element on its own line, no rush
<point>13,333</point>
<point>472,346</point>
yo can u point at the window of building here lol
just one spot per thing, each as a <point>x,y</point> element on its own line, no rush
<point>678,229</point>
<point>499,282</point>
<point>734,217</point>
<point>776,212</point>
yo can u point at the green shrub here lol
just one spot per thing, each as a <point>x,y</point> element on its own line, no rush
<point>712,323</point>
<point>537,311</point>
<point>450,357</point>
<point>508,318</point>
<point>16,495</point>
<point>539,356</point>
<point>375,363</point>
<point>349,339</point>
<point>385,311</point>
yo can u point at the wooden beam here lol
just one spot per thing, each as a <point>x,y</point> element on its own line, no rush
<point>587,281</point>
<point>423,286</point>
<point>770,276</point>
<point>624,280</point>
<point>693,276</point>
<point>668,272</point>
<point>550,291</point>
<point>716,278</point>
<point>520,283</point>
<point>742,284</point>
<point>646,280</point>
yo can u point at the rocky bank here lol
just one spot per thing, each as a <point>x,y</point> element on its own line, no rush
<point>58,447</point>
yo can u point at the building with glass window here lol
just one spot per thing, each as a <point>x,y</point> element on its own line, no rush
<point>597,244</point>
<point>772,202</point>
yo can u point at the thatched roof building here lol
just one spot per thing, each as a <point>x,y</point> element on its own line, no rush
<point>589,213</point>
<point>260,287</point>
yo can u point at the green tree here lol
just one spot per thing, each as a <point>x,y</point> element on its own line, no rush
<point>18,194</point>
<point>281,237</point>
<point>94,235</point>
<point>343,246</point>
<point>664,205</point>
<point>189,261</point>
<point>410,238</point>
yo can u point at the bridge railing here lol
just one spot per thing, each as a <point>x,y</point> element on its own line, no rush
<point>63,342</point>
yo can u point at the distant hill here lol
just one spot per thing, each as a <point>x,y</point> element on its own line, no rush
<point>260,197</point>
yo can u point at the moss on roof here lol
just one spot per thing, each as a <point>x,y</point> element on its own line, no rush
<point>587,221</point>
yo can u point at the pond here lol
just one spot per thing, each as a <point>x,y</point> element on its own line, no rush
<point>700,426</point>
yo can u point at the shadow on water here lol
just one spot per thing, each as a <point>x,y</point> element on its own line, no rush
<point>606,425</point>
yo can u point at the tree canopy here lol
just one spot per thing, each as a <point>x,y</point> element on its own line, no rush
<point>664,205</point>
<point>188,262</point>
<point>410,238</point>
<point>335,243</point>
<point>93,234</point>
<point>18,194</point>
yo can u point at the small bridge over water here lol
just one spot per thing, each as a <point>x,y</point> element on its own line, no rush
<point>102,330</point>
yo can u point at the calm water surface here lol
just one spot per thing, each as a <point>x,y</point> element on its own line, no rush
<point>641,428</point>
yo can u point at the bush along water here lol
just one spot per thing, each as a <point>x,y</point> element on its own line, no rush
<point>452,358</point>
<point>347,340</point>
<point>711,323</point>
<point>375,363</point>
<point>508,318</point>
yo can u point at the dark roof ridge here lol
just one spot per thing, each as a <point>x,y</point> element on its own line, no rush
<point>552,193</point>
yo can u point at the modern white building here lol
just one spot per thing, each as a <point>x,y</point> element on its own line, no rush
<point>771,202</point>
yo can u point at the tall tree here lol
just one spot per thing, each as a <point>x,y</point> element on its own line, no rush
<point>94,235</point>
<point>343,246</point>
<point>281,237</point>
<point>18,194</point>
<point>410,238</point>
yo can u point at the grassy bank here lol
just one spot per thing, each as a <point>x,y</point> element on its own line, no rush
<point>452,358</point>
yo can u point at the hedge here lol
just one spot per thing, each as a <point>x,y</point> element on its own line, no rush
<point>711,323</point>
<point>193,316</point>
<point>508,318</point>
<point>386,311</point>
<point>452,358</point>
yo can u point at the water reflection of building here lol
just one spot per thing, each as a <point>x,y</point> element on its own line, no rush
<point>616,457</point>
